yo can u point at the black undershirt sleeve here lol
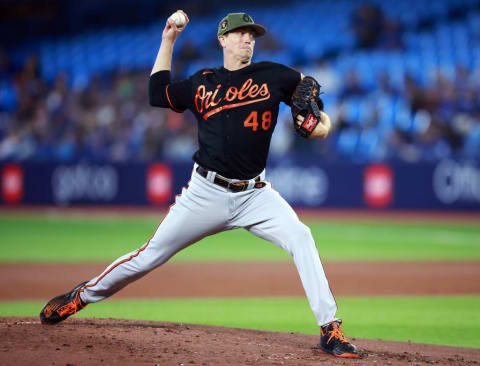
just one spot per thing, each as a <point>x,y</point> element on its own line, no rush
<point>163,93</point>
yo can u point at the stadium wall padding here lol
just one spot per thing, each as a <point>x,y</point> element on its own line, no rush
<point>307,183</point>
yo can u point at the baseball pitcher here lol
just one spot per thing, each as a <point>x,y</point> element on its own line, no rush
<point>236,106</point>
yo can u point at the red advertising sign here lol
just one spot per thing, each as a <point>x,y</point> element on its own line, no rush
<point>12,183</point>
<point>159,184</point>
<point>378,185</point>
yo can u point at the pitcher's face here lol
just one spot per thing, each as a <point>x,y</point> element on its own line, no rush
<point>239,43</point>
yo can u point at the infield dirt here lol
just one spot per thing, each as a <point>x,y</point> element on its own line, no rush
<point>126,342</point>
<point>180,280</point>
<point>24,341</point>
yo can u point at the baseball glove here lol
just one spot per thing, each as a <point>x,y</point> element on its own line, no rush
<point>306,103</point>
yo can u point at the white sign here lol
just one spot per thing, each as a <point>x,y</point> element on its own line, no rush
<point>84,182</point>
<point>456,182</point>
<point>307,185</point>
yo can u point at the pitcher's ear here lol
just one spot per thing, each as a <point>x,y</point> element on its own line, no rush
<point>221,41</point>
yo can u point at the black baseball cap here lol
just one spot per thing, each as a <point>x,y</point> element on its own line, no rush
<point>236,20</point>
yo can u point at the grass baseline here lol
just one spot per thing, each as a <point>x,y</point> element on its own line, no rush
<point>44,239</point>
<point>416,319</point>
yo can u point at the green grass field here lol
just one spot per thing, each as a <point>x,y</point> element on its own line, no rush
<point>449,320</point>
<point>452,321</point>
<point>56,239</point>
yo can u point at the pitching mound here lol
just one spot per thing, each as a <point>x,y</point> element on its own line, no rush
<point>24,341</point>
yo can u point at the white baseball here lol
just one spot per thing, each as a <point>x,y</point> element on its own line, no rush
<point>179,19</point>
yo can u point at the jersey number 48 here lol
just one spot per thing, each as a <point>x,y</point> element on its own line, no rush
<point>252,120</point>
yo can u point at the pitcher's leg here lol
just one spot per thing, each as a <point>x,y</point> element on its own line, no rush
<point>188,220</point>
<point>270,217</point>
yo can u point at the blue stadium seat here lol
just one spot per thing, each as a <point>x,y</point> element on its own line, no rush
<point>368,144</point>
<point>347,141</point>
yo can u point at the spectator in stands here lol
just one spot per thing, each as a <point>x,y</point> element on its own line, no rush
<point>352,86</point>
<point>187,54</point>
<point>270,44</point>
<point>6,68</point>
<point>391,35</point>
<point>367,23</point>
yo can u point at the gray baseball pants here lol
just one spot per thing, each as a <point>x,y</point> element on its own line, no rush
<point>203,209</point>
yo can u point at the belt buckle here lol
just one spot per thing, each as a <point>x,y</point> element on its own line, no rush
<point>240,185</point>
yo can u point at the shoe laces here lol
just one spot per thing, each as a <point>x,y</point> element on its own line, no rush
<point>72,307</point>
<point>338,334</point>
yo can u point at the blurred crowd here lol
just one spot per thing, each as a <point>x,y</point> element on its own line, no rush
<point>414,121</point>
<point>110,118</point>
<point>446,117</point>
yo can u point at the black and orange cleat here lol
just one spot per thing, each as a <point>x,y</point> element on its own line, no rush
<point>332,341</point>
<point>61,307</point>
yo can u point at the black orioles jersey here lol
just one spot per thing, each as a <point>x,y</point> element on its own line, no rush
<point>236,112</point>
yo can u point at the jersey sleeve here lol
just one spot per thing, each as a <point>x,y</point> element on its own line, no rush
<point>163,93</point>
<point>289,81</point>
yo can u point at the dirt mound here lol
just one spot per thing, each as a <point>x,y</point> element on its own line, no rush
<point>24,341</point>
